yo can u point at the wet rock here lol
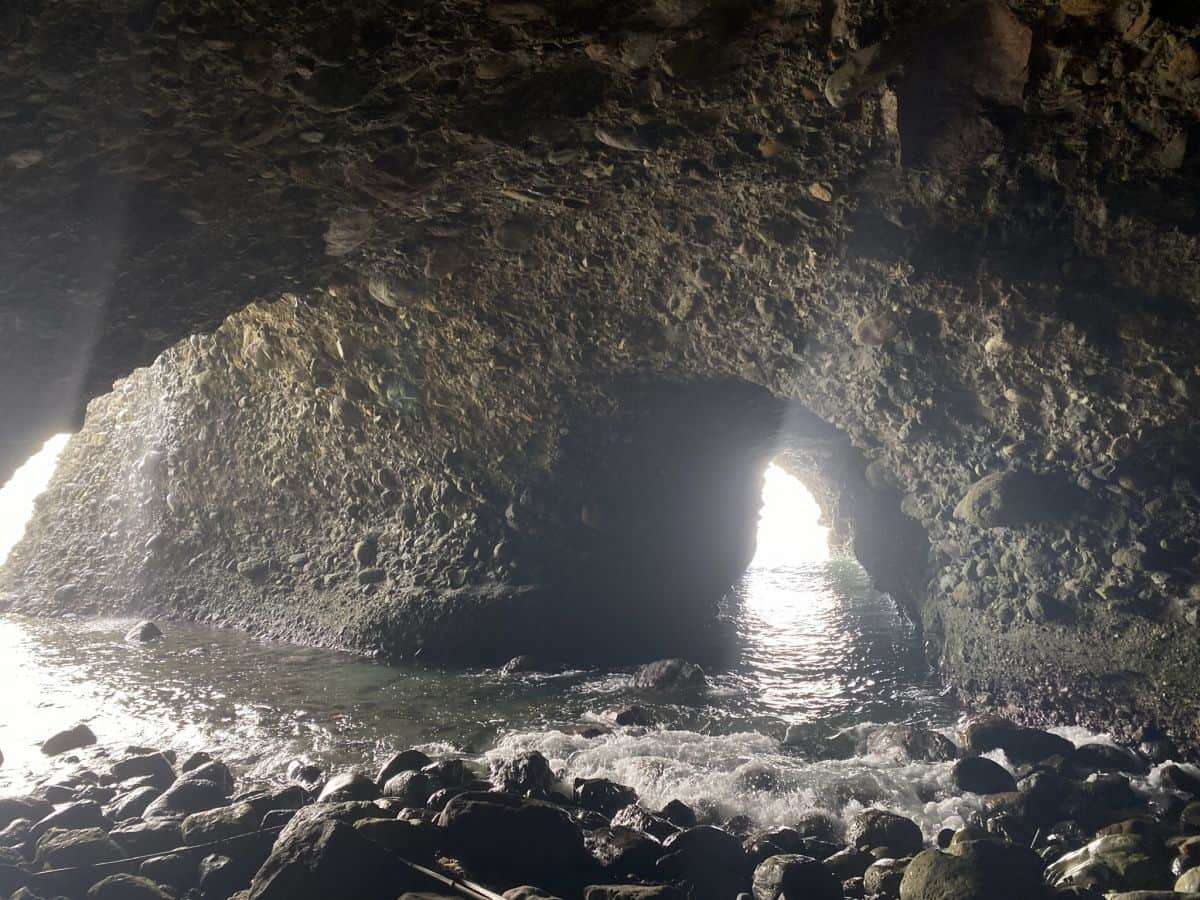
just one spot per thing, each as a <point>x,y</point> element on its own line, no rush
<point>979,775</point>
<point>710,859</point>
<point>348,813</point>
<point>1116,862</point>
<point>195,761</point>
<point>404,761</point>
<point>883,877</point>
<point>132,803</point>
<point>152,766</point>
<point>679,814</point>
<point>603,796</point>
<point>80,814</point>
<point>1090,758</point>
<point>795,877</point>
<point>525,840</point>
<point>185,796</point>
<point>849,863</point>
<point>640,819</point>
<point>975,870</point>
<point>633,892</point>
<point>913,742</point>
<point>1178,778</point>
<point>633,714</point>
<point>216,772</point>
<point>670,675</point>
<point>29,808</point>
<point>329,859</point>
<point>1188,882</point>
<point>71,739</point>
<point>143,632</point>
<point>520,664</point>
<point>221,823</point>
<point>414,841</point>
<point>527,774</point>
<point>69,848</point>
<point>127,887</point>
<point>178,870</point>
<point>880,828</point>
<point>1020,744</point>
<point>153,836</point>
<point>410,788</point>
<point>623,852</point>
<point>349,786</point>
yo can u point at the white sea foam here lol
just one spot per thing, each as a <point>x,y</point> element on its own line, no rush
<point>750,774</point>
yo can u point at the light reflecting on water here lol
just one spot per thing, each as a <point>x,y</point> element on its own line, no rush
<point>810,644</point>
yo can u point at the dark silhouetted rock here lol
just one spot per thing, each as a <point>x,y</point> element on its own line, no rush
<point>348,786</point>
<point>603,796</point>
<point>880,828</point>
<point>670,675</point>
<point>791,876</point>
<point>143,632</point>
<point>527,774</point>
<point>72,739</point>
<point>979,775</point>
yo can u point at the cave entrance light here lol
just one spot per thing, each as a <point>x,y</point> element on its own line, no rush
<point>790,533</point>
<point>17,496</point>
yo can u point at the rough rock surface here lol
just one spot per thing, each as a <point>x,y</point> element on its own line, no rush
<point>963,235</point>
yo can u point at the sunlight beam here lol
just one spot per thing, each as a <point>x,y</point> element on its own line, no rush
<point>16,497</point>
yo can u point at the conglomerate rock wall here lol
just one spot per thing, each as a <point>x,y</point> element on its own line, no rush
<point>959,241</point>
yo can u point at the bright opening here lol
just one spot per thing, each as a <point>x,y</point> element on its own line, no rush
<point>16,497</point>
<point>789,528</point>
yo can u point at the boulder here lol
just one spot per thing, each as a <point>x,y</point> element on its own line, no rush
<point>880,828</point>
<point>349,786</point>
<point>154,767</point>
<point>633,892</point>
<point>1115,862</point>
<point>603,796</point>
<point>979,775</point>
<point>1090,758</point>
<point>1018,498</point>
<point>711,860</point>
<point>1020,744</point>
<point>404,761</point>
<point>81,814</point>
<point>976,870</point>
<point>132,803</point>
<point>912,742</point>
<point>883,877</point>
<point>68,848</point>
<point>623,852</point>
<point>178,870</point>
<point>348,813</point>
<point>414,841</point>
<point>527,774</point>
<point>670,675</point>
<point>153,836</point>
<point>31,808</point>
<point>127,887</point>
<point>791,876</point>
<point>330,859</point>
<point>216,772</point>
<point>640,819</point>
<point>143,632</point>
<point>71,739</point>
<point>186,796</point>
<point>220,823</point>
<point>520,839</point>
<point>411,788</point>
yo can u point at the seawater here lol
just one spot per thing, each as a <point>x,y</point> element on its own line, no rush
<point>812,647</point>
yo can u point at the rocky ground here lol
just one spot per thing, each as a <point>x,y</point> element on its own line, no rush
<point>963,236</point>
<point>134,823</point>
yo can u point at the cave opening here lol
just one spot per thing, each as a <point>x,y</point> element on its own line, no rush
<point>19,493</point>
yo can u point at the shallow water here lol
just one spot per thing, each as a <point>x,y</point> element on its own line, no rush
<point>815,647</point>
